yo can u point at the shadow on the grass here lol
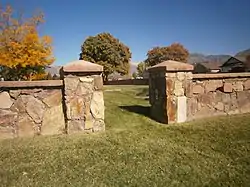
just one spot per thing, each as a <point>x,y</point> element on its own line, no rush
<point>138,109</point>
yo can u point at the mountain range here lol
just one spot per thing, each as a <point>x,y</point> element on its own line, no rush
<point>193,58</point>
<point>197,57</point>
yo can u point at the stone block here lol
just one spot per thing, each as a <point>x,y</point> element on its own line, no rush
<point>188,88</point>
<point>35,108</point>
<point>8,118</point>
<point>75,126</point>
<point>99,125</point>
<point>26,126</point>
<point>181,109</point>
<point>5,100</point>
<point>70,85</point>
<point>75,108</point>
<point>98,83</point>
<point>89,124</point>
<point>189,75</point>
<point>198,89</point>
<point>86,79</point>
<point>212,85</point>
<point>206,99</point>
<point>54,99</point>
<point>243,98</point>
<point>171,109</point>
<point>238,86</point>
<point>53,121</point>
<point>227,87</point>
<point>30,91</point>
<point>226,98</point>
<point>84,88</point>
<point>97,105</point>
<point>247,85</point>
<point>181,76</point>
<point>15,93</point>
<point>19,106</point>
<point>170,75</point>
<point>219,106</point>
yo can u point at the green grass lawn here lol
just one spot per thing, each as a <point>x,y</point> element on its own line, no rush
<point>134,151</point>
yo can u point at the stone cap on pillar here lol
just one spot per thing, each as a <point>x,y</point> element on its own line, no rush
<point>82,66</point>
<point>172,66</point>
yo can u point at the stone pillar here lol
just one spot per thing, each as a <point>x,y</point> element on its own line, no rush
<point>169,86</point>
<point>84,103</point>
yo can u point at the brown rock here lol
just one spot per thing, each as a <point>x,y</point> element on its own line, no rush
<point>26,126</point>
<point>53,121</point>
<point>86,79</point>
<point>227,87</point>
<point>238,86</point>
<point>70,85</point>
<point>213,85</point>
<point>247,85</point>
<point>192,106</point>
<point>99,125</point>
<point>181,76</point>
<point>75,108</point>
<point>219,106</point>
<point>206,99</point>
<point>84,88</point>
<point>98,83</point>
<point>198,89</point>
<point>243,98</point>
<point>188,88</point>
<point>7,118</point>
<point>15,93</point>
<point>54,99</point>
<point>97,105</point>
<point>178,89</point>
<point>35,108</point>
<point>5,100</point>
<point>19,106</point>
<point>75,126</point>
<point>88,124</point>
<point>226,98</point>
<point>30,91</point>
<point>171,109</point>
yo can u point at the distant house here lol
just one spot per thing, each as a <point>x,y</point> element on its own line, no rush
<point>236,64</point>
<point>207,67</point>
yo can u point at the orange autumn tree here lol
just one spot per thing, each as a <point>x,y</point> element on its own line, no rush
<point>23,53</point>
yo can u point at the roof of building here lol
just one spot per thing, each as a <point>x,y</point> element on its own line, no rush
<point>211,65</point>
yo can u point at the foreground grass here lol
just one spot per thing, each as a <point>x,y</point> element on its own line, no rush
<point>134,151</point>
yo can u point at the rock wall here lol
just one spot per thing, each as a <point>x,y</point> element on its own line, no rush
<point>30,111</point>
<point>222,94</point>
<point>84,103</point>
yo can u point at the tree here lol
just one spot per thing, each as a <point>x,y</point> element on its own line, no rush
<point>141,67</point>
<point>175,52</point>
<point>23,53</point>
<point>107,51</point>
<point>134,75</point>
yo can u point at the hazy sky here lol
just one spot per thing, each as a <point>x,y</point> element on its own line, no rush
<point>204,26</point>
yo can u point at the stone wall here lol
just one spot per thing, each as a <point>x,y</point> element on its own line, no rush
<point>178,95</point>
<point>31,108</point>
<point>219,94</point>
<point>73,104</point>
